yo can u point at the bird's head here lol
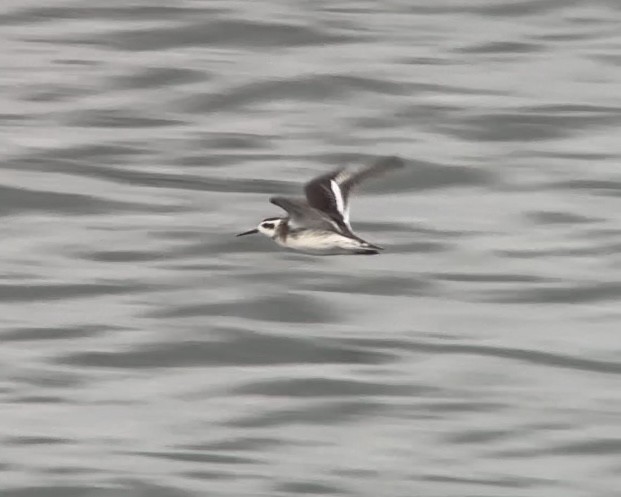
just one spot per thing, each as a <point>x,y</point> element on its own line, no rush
<point>266,227</point>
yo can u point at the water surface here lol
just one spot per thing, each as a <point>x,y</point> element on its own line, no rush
<point>146,351</point>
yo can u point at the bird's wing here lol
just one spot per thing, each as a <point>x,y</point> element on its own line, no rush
<point>329,193</point>
<point>301,215</point>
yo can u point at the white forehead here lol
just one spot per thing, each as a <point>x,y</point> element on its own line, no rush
<point>272,222</point>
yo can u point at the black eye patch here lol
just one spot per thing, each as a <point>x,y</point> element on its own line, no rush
<point>268,225</point>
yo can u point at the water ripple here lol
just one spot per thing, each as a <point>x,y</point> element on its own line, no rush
<point>30,293</point>
<point>222,33</point>
<point>535,357</point>
<point>239,349</point>
<point>146,351</point>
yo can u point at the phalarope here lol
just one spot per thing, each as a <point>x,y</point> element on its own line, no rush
<point>320,225</point>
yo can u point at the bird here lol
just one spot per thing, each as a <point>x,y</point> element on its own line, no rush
<point>319,224</point>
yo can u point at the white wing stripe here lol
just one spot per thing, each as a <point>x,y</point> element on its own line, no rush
<point>338,197</point>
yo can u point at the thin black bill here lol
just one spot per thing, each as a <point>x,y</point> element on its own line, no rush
<point>250,232</point>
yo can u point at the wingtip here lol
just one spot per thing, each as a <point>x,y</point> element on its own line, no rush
<point>367,251</point>
<point>373,246</point>
<point>392,162</point>
<point>276,201</point>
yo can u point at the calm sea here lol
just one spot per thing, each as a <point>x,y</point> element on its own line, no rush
<point>147,352</point>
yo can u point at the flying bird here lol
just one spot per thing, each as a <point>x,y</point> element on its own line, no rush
<point>319,224</point>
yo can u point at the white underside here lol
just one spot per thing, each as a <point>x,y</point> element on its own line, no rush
<point>321,243</point>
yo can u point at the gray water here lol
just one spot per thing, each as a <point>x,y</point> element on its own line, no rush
<point>147,352</point>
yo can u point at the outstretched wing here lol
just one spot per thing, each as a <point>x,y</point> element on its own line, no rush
<point>329,193</point>
<point>301,215</point>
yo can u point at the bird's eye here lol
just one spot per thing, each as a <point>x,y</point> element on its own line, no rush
<point>269,226</point>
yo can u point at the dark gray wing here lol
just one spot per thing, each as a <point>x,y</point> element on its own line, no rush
<point>301,215</point>
<point>329,193</point>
